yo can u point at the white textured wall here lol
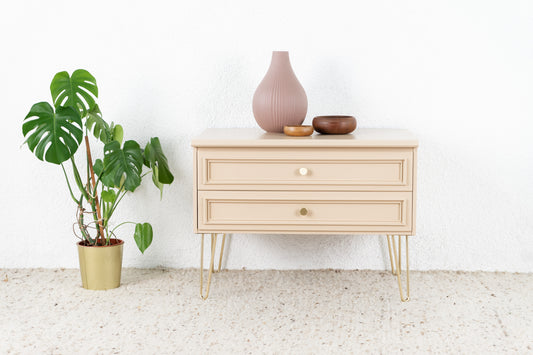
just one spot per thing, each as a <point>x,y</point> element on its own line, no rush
<point>459,74</point>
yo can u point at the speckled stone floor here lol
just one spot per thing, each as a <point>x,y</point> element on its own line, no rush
<point>159,311</point>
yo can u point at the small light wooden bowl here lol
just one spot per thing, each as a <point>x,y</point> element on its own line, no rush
<point>298,131</point>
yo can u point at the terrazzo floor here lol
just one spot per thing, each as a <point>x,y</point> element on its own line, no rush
<point>159,311</point>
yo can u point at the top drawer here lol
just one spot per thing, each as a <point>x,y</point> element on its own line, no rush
<point>341,169</point>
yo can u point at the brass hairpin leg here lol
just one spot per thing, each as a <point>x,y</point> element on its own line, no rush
<point>211,263</point>
<point>396,263</point>
<point>221,252</point>
<point>390,256</point>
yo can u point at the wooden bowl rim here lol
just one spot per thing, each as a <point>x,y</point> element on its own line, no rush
<point>337,117</point>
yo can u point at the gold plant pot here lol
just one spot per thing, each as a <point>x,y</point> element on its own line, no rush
<point>101,267</point>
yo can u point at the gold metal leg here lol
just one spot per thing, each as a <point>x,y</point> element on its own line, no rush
<point>396,263</point>
<point>221,252</point>
<point>390,256</point>
<point>211,263</point>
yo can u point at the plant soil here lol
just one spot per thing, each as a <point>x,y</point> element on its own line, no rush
<point>112,242</point>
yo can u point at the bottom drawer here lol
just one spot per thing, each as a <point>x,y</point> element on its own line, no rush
<point>304,212</point>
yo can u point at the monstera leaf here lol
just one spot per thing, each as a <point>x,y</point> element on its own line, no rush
<point>101,129</point>
<point>143,236</point>
<point>77,91</point>
<point>109,195</point>
<point>117,133</point>
<point>122,166</point>
<point>52,136</point>
<point>155,159</point>
<point>96,124</point>
<point>98,167</point>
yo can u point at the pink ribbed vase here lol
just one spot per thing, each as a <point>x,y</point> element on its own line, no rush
<point>280,99</point>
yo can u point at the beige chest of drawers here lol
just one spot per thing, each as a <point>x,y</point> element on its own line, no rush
<point>248,181</point>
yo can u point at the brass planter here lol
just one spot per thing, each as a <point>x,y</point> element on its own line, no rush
<point>101,267</point>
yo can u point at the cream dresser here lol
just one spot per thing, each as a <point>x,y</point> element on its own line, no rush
<point>249,181</point>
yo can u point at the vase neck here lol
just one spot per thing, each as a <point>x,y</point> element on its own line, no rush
<point>280,62</point>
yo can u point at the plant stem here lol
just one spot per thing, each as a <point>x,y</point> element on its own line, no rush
<point>81,225</point>
<point>77,177</point>
<point>115,204</point>
<point>98,212</point>
<point>68,184</point>
<point>95,216</point>
<point>112,230</point>
<point>91,193</point>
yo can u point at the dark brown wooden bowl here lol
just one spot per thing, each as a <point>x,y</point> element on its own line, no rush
<point>334,124</point>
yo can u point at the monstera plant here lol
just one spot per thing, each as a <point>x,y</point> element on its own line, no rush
<point>54,133</point>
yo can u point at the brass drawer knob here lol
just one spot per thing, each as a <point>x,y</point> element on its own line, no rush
<point>303,211</point>
<point>303,171</point>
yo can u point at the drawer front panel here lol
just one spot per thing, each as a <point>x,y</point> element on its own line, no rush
<point>347,169</point>
<point>305,212</point>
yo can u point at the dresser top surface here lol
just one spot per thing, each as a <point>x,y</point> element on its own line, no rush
<point>255,137</point>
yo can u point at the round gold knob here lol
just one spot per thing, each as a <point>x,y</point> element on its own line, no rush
<point>303,211</point>
<point>303,171</point>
